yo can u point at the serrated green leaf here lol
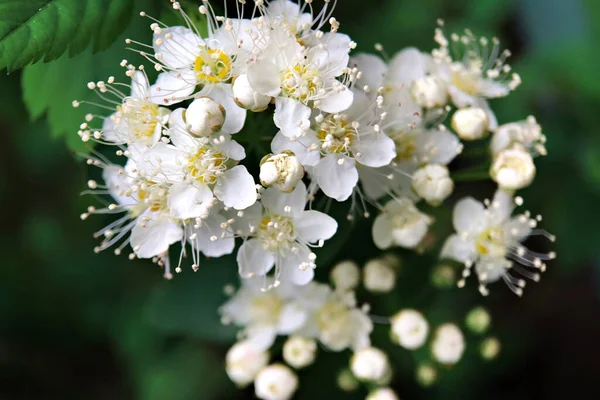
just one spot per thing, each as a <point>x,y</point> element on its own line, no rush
<point>44,29</point>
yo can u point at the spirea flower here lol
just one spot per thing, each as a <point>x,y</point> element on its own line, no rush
<point>489,239</point>
<point>282,171</point>
<point>345,275</point>
<point>433,183</point>
<point>370,364</point>
<point>513,168</point>
<point>299,352</point>
<point>526,133</point>
<point>448,344</point>
<point>275,382</point>
<point>244,361</point>
<point>409,329</point>
<point>470,123</point>
<point>379,276</point>
<point>400,224</point>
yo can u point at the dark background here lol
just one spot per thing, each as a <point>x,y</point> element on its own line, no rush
<point>77,325</point>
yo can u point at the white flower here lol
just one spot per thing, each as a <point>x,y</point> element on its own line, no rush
<point>247,97</point>
<point>490,239</point>
<point>299,351</point>
<point>513,168</point>
<point>382,394</point>
<point>526,133</point>
<point>400,224</point>
<point>379,276</point>
<point>243,362</point>
<point>137,121</point>
<point>202,167</point>
<point>264,314</point>
<point>336,143</point>
<point>470,123</point>
<point>275,382</point>
<point>448,344</point>
<point>429,92</point>
<point>204,117</point>
<point>370,364</point>
<point>280,235</point>
<point>345,275</point>
<point>433,183</point>
<point>409,329</point>
<point>281,171</point>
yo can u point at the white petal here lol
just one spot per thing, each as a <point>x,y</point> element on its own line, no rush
<point>460,98</point>
<point>253,260</point>
<point>173,87</point>
<point>300,147</point>
<point>209,230</point>
<point>179,49</point>
<point>382,232</point>
<point>153,237</point>
<point>264,78</point>
<point>492,89</point>
<point>291,318</point>
<point>165,158</point>
<point>437,147</point>
<point>290,268</point>
<point>372,67</point>
<point>517,229</point>
<point>231,149</point>
<point>178,132</point>
<point>251,217</point>
<point>502,206</point>
<point>337,101</point>
<point>140,88</point>
<point>468,216</point>
<point>261,337</point>
<point>235,116</point>
<point>406,66</point>
<point>336,180</point>
<point>189,201</point>
<point>115,133</point>
<point>291,116</point>
<point>313,226</point>
<point>236,188</point>
<point>277,202</point>
<point>374,149</point>
<point>458,249</point>
<point>118,182</point>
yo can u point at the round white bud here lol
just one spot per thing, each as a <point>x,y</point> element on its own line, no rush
<point>275,382</point>
<point>382,394</point>
<point>345,275</point>
<point>478,320</point>
<point>448,344</point>
<point>429,92</point>
<point>490,348</point>
<point>409,329</point>
<point>379,276</point>
<point>347,381</point>
<point>426,375</point>
<point>299,352</point>
<point>204,117</point>
<point>471,123</point>
<point>243,362</point>
<point>513,168</point>
<point>433,183</point>
<point>281,171</point>
<point>370,364</point>
<point>246,97</point>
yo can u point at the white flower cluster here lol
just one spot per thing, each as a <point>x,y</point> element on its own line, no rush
<point>352,127</point>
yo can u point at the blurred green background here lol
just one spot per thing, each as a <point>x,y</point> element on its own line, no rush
<point>77,325</point>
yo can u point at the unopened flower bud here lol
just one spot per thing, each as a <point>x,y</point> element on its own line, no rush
<point>400,224</point>
<point>275,382</point>
<point>429,92</point>
<point>370,364</point>
<point>513,168</point>
<point>382,394</point>
<point>299,352</point>
<point>478,320</point>
<point>470,123</point>
<point>204,117</point>
<point>281,171</point>
<point>409,329</point>
<point>345,275</point>
<point>243,362</point>
<point>448,344</point>
<point>490,348</point>
<point>347,381</point>
<point>426,375</point>
<point>433,183</point>
<point>443,277</point>
<point>246,97</point>
<point>379,276</point>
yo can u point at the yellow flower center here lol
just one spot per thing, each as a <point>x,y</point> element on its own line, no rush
<point>336,135</point>
<point>265,308</point>
<point>491,242</point>
<point>140,118</point>
<point>406,146</point>
<point>300,82</point>
<point>467,79</point>
<point>206,165</point>
<point>212,66</point>
<point>276,232</point>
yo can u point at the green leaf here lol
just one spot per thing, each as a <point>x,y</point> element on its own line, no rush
<point>50,88</point>
<point>44,29</point>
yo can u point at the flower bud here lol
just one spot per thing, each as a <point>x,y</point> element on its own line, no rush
<point>379,276</point>
<point>246,97</point>
<point>470,123</point>
<point>448,344</point>
<point>443,277</point>
<point>400,224</point>
<point>347,381</point>
<point>490,348</point>
<point>370,364</point>
<point>345,275</point>
<point>299,352</point>
<point>527,133</point>
<point>426,375</point>
<point>409,329</point>
<point>478,320</point>
<point>429,92</point>
<point>382,394</point>
<point>275,382</point>
<point>281,171</point>
<point>433,183</point>
<point>243,361</point>
<point>513,168</point>
<point>204,117</point>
